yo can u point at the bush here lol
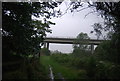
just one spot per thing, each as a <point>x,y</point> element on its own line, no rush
<point>45,51</point>
<point>106,52</point>
<point>26,70</point>
<point>107,70</point>
<point>82,74</point>
<point>114,72</point>
<point>81,53</point>
<point>91,67</point>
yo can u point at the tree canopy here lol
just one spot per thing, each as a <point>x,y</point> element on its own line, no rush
<point>22,33</point>
<point>79,43</point>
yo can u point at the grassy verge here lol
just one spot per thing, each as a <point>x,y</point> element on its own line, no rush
<point>66,72</point>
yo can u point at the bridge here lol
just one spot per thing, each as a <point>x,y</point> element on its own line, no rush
<point>91,42</point>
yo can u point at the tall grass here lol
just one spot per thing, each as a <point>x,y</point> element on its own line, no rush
<point>66,72</point>
<point>89,67</point>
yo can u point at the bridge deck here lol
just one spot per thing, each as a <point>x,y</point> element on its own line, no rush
<point>71,41</point>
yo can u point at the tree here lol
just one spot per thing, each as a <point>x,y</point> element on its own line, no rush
<point>98,29</point>
<point>80,44</point>
<point>22,33</point>
<point>109,11</point>
<point>81,40</point>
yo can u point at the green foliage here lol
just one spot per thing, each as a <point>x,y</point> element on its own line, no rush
<point>80,41</point>
<point>82,74</point>
<point>106,52</point>
<point>107,70</point>
<point>110,12</point>
<point>35,71</point>
<point>56,52</point>
<point>66,72</point>
<point>45,51</point>
<point>22,33</point>
<point>23,69</point>
<point>81,53</point>
<point>103,64</point>
<point>89,67</point>
<point>102,51</point>
<point>98,29</point>
<point>80,45</point>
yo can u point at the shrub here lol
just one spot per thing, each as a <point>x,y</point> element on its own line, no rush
<point>90,67</point>
<point>82,74</point>
<point>106,52</point>
<point>45,51</point>
<point>107,70</point>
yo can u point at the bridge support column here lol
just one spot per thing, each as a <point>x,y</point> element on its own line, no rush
<point>45,45</point>
<point>92,48</point>
<point>48,45</point>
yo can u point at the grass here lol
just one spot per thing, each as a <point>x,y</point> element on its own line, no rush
<point>67,72</point>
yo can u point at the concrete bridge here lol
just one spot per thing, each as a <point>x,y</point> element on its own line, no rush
<point>91,42</point>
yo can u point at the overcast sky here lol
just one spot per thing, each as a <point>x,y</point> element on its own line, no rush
<point>70,25</point>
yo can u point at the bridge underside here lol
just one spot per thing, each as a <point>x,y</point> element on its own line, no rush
<point>67,42</point>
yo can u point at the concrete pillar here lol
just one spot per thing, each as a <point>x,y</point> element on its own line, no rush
<point>92,48</point>
<point>48,45</point>
<point>44,44</point>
